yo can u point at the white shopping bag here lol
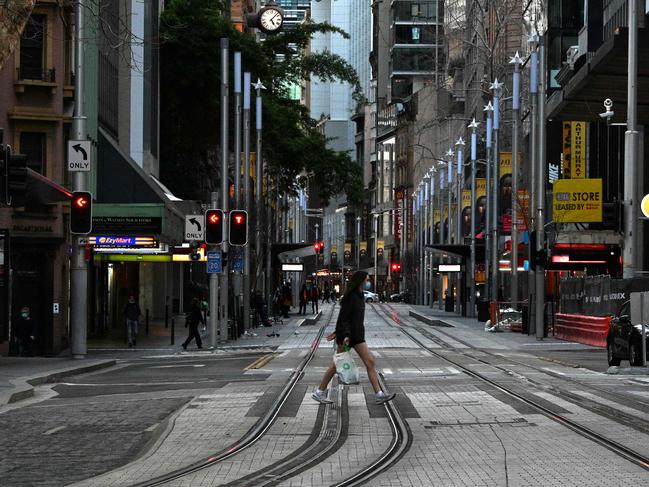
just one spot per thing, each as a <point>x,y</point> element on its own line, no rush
<point>346,368</point>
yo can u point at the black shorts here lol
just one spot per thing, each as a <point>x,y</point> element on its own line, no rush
<point>353,341</point>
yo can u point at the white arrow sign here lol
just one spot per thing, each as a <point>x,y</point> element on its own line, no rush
<point>79,155</point>
<point>195,227</point>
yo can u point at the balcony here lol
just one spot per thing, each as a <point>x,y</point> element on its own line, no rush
<point>26,76</point>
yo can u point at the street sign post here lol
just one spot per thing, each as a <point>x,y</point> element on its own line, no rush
<point>195,227</point>
<point>214,262</point>
<point>79,155</point>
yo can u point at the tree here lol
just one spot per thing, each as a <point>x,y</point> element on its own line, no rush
<point>13,18</point>
<point>190,102</point>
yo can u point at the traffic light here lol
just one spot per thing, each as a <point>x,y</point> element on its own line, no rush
<point>81,213</point>
<point>396,267</point>
<point>214,226</point>
<point>14,174</point>
<point>319,247</point>
<point>238,227</point>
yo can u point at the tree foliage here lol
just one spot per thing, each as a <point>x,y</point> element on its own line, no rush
<point>190,101</point>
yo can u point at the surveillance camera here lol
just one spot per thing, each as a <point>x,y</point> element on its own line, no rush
<point>608,103</point>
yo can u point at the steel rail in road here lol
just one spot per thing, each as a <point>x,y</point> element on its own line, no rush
<point>255,433</point>
<point>611,445</point>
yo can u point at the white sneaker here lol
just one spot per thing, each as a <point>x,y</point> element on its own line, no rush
<point>382,397</point>
<point>321,397</point>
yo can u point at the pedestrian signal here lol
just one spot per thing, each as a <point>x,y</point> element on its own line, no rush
<point>81,213</point>
<point>238,227</point>
<point>214,226</point>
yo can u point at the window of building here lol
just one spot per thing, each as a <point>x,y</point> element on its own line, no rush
<point>413,59</point>
<point>32,144</point>
<point>415,34</point>
<point>32,49</point>
<point>412,11</point>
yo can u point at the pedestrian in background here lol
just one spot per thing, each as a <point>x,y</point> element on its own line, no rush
<point>25,332</point>
<point>194,318</point>
<point>287,299</point>
<point>350,331</point>
<point>304,297</point>
<point>132,314</point>
<point>315,297</point>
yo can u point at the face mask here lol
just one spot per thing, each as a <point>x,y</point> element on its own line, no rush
<point>24,315</point>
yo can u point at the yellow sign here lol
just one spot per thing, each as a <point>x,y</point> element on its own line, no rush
<point>348,248</point>
<point>480,188</point>
<point>466,198</point>
<point>566,145</point>
<point>578,150</point>
<point>363,248</point>
<point>577,201</point>
<point>505,163</point>
<point>436,216</point>
<point>334,249</point>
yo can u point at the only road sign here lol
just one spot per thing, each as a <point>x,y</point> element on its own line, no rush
<point>214,262</point>
<point>79,155</point>
<point>195,227</point>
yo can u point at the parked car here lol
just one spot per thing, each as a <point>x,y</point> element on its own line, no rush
<point>370,297</point>
<point>402,297</point>
<point>624,340</point>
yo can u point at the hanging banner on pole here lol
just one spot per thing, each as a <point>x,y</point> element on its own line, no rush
<point>480,203</point>
<point>466,212</point>
<point>363,249</point>
<point>577,150</point>
<point>566,145</point>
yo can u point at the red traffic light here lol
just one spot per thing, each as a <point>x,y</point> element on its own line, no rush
<point>81,201</point>
<point>214,226</point>
<point>238,228</point>
<point>396,267</point>
<point>81,213</point>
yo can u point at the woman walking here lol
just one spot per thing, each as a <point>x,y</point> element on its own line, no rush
<point>350,331</point>
<point>192,321</point>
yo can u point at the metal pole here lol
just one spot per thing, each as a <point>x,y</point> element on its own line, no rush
<point>539,307</point>
<point>236,277</point>
<point>376,247</point>
<point>246,195</point>
<point>441,233</point>
<point>487,228</point>
<point>358,243</point>
<point>516,109</point>
<point>214,291</point>
<point>225,151</point>
<point>431,255</point>
<point>631,251</point>
<point>459,237</point>
<point>496,87</point>
<point>78,265</point>
<point>534,83</point>
<point>261,209</point>
<point>474,154</point>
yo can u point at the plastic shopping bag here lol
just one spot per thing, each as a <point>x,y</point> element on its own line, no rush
<point>346,368</point>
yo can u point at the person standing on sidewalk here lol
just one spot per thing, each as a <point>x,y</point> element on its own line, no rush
<point>350,331</point>
<point>194,318</point>
<point>25,332</point>
<point>315,297</point>
<point>132,314</point>
<point>304,297</point>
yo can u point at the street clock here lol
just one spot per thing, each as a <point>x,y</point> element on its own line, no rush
<point>269,19</point>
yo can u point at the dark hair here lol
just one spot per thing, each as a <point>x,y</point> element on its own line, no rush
<point>357,279</point>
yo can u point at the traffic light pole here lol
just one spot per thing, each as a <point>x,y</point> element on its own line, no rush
<point>225,100</point>
<point>539,308</point>
<point>214,290</point>
<point>78,265</point>
<point>236,277</point>
<point>246,192</point>
<point>261,209</point>
<point>516,109</point>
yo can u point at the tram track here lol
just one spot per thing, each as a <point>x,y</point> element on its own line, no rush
<point>255,433</point>
<point>623,451</point>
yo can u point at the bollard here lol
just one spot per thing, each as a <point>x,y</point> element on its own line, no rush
<point>146,321</point>
<point>173,330</point>
<point>166,316</point>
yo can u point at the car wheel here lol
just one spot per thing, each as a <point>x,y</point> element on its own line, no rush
<point>369,300</point>
<point>612,359</point>
<point>635,354</point>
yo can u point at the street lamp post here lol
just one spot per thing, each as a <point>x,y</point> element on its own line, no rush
<point>496,87</point>
<point>459,238</point>
<point>540,199</point>
<point>534,83</point>
<point>474,150</point>
<point>432,237</point>
<point>488,109</point>
<point>516,109</point>
<point>358,243</point>
<point>376,250</point>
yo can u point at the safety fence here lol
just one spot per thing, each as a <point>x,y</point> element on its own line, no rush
<point>589,330</point>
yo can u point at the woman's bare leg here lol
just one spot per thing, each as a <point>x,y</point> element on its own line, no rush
<point>329,374</point>
<point>368,359</point>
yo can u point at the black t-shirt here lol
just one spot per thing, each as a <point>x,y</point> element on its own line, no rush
<point>351,318</point>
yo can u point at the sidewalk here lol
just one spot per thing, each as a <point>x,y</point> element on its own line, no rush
<point>19,375</point>
<point>473,332</point>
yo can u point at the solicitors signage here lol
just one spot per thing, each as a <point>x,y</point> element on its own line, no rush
<point>577,201</point>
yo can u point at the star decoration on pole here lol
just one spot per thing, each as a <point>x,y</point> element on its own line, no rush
<point>449,153</point>
<point>460,142</point>
<point>258,85</point>
<point>516,60</point>
<point>488,108</point>
<point>496,86</point>
<point>473,125</point>
<point>533,38</point>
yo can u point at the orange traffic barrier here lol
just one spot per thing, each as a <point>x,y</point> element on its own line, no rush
<point>589,330</point>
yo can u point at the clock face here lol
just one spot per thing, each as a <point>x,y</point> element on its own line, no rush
<point>271,20</point>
